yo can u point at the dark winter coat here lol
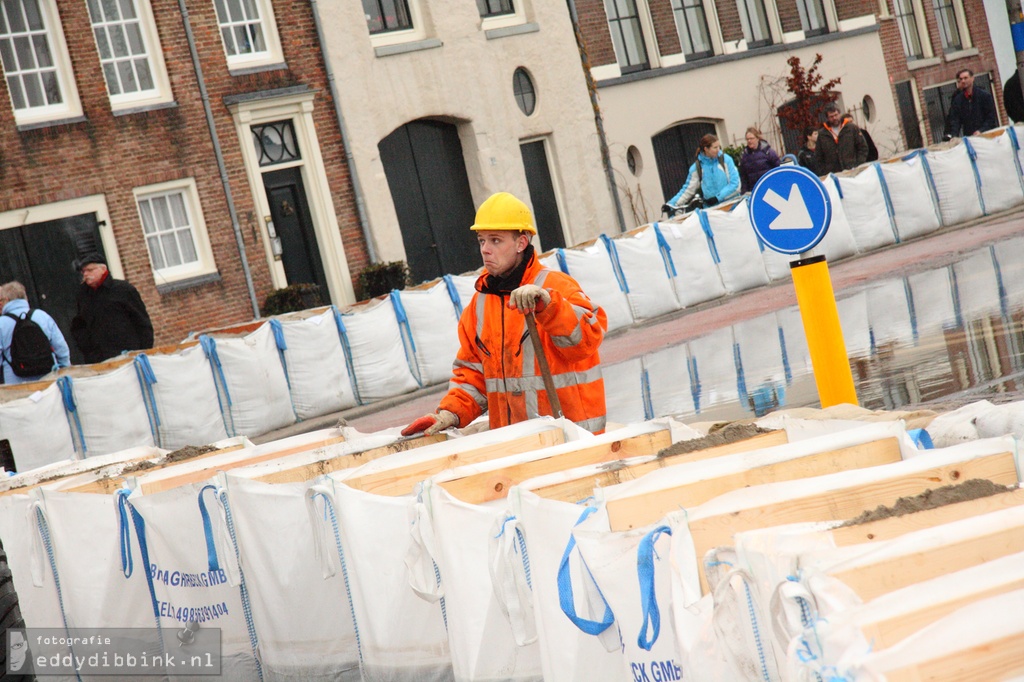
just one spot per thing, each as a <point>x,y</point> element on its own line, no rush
<point>835,156</point>
<point>806,157</point>
<point>111,318</point>
<point>754,163</point>
<point>969,115</point>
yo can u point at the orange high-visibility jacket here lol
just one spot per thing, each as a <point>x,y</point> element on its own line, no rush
<point>496,370</point>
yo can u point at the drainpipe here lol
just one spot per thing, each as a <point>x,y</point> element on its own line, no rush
<point>364,221</point>
<point>606,157</point>
<point>219,154</point>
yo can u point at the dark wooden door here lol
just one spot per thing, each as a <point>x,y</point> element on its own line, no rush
<point>426,173</point>
<point>675,150</point>
<point>908,115</point>
<point>289,209</point>
<point>42,257</point>
<point>542,195</point>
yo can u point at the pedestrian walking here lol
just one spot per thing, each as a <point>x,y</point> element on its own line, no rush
<point>713,176</point>
<point>840,145</point>
<point>972,109</point>
<point>31,344</point>
<point>758,158</point>
<point>111,316</point>
<point>806,156</point>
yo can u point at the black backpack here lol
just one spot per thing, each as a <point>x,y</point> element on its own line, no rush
<point>30,351</point>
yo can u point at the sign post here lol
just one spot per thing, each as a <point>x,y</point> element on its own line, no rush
<point>791,211</point>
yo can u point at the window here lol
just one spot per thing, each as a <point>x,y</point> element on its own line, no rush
<point>906,19</point>
<point>35,61</point>
<point>174,230</point>
<point>675,150</point>
<point>384,16</point>
<point>812,17</point>
<point>755,23</point>
<point>125,38</point>
<point>945,17</point>
<point>522,89</point>
<point>248,31</point>
<point>495,8</point>
<point>627,35</point>
<point>275,143</point>
<point>692,25</point>
<point>938,99</point>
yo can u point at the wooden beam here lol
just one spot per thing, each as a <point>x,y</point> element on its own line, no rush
<point>494,484</point>
<point>577,489</point>
<point>999,659</point>
<point>403,480</point>
<point>844,503</point>
<point>626,513</point>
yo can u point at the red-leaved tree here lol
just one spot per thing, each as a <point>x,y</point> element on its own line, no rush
<point>810,95</point>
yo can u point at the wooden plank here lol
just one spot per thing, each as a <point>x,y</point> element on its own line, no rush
<point>343,462</point>
<point>628,512</point>
<point>494,484</point>
<point>999,659</point>
<point>403,480</point>
<point>885,529</point>
<point>882,577</point>
<point>844,503</point>
<point>577,489</point>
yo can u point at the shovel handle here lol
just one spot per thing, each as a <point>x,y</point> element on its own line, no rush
<point>542,361</point>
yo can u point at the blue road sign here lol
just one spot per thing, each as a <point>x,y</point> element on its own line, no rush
<point>790,209</point>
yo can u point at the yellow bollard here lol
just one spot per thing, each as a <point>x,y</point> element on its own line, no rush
<point>820,316</point>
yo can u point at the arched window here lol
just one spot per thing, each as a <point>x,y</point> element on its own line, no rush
<point>675,149</point>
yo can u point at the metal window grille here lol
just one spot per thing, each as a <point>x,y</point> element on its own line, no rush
<point>522,88</point>
<point>692,25</point>
<point>275,143</point>
<point>122,46</point>
<point>495,8</point>
<point>27,57</point>
<point>383,16</point>
<point>627,35</point>
<point>167,224</point>
<point>909,33</point>
<point>241,27</point>
<point>755,23</point>
<point>812,17</point>
<point>949,30</point>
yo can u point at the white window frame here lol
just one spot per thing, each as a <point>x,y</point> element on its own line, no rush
<point>272,55</point>
<point>922,32</point>
<point>418,30</point>
<point>204,264</point>
<point>961,24</point>
<point>71,107</point>
<point>516,18</point>
<point>160,93</point>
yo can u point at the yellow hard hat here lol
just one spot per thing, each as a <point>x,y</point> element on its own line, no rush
<point>502,211</point>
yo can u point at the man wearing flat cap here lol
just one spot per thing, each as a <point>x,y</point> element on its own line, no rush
<point>111,315</point>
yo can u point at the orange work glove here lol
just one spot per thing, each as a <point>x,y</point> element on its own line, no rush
<point>432,423</point>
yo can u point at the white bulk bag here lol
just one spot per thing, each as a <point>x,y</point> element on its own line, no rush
<point>318,372</point>
<point>464,287</point>
<point>669,382</point>
<point>251,380</point>
<point>301,615</point>
<point>713,369</point>
<point>378,354</point>
<point>853,318</point>
<point>977,287</point>
<point>737,248</point>
<point>932,295</point>
<point>592,268</point>
<point>33,579</point>
<point>697,278</point>
<point>838,241</point>
<point>910,196</point>
<point>797,356</point>
<point>433,330</point>
<point>108,410</point>
<point>37,429</point>
<point>952,174</point>
<point>866,208</point>
<point>997,170</point>
<point>625,392</point>
<point>888,314</point>
<point>649,271</point>
<point>1009,255</point>
<point>182,398</point>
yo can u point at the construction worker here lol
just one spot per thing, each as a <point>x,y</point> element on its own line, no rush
<point>496,370</point>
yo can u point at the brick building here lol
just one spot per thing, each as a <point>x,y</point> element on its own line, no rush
<point>105,143</point>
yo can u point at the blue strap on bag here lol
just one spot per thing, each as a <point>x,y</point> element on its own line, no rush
<point>565,595</point>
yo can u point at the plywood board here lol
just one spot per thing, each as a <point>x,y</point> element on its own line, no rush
<point>577,489</point>
<point>494,484</point>
<point>626,513</point>
<point>403,480</point>
<point>999,659</point>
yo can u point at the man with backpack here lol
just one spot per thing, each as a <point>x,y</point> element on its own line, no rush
<point>31,345</point>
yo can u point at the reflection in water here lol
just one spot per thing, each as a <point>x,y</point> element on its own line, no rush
<point>910,340</point>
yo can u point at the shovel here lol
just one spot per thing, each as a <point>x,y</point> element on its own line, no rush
<point>542,361</point>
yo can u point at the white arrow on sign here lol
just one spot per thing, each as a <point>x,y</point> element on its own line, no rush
<point>793,214</point>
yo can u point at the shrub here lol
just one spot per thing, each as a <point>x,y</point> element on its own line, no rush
<point>381,278</point>
<point>292,298</point>
<point>735,152</point>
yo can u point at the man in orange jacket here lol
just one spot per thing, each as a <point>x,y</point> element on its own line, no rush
<point>496,369</point>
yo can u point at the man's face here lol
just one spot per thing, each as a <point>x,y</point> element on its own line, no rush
<point>964,80</point>
<point>18,650</point>
<point>833,117</point>
<point>500,250</point>
<point>92,273</point>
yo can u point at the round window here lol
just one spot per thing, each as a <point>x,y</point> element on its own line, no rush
<point>868,105</point>
<point>633,160</point>
<point>522,88</point>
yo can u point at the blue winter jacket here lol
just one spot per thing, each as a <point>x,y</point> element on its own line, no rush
<point>18,307</point>
<point>720,183</point>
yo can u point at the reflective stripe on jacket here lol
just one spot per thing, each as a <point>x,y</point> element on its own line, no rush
<point>496,368</point>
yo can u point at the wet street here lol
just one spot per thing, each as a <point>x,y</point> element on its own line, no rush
<point>932,319</point>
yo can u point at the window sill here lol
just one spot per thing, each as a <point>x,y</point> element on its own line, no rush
<point>143,109</point>
<point>25,127</point>
<point>505,31</point>
<point>403,48</point>
<point>279,66</point>
<point>914,65</point>
<point>961,54</point>
<point>187,283</point>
